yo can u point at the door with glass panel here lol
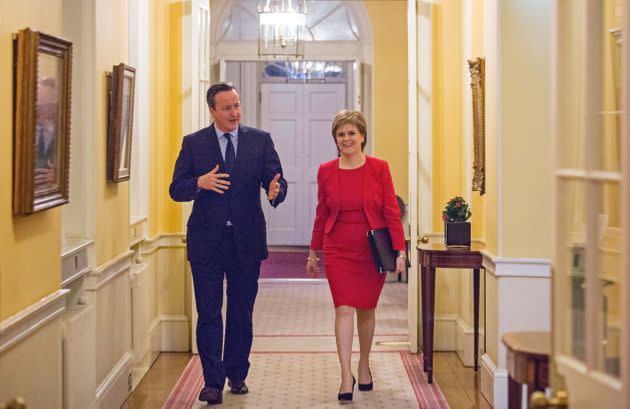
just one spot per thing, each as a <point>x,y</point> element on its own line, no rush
<point>591,286</point>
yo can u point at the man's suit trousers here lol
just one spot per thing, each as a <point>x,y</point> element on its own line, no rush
<point>242,287</point>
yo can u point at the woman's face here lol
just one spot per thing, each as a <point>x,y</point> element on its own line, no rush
<point>349,140</point>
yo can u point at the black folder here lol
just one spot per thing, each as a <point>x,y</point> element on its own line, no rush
<point>382,252</point>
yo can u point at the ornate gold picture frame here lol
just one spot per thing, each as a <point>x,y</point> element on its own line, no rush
<point>42,95</point>
<point>121,86</point>
<point>477,73</point>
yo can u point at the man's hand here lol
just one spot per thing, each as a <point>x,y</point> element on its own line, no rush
<point>45,176</point>
<point>274,188</point>
<point>214,181</point>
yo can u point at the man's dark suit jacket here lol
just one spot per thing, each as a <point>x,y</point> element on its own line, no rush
<point>257,163</point>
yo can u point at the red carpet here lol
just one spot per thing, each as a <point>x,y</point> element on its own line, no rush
<point>184,394</point>
<point>287,264</point>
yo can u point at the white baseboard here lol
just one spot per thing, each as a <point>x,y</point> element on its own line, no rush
<point>445,333</point>
<point>465,342</point>
<point>169,333</point>
<point>494,385</point>
<point>142,362</point>
<point>116,387</point>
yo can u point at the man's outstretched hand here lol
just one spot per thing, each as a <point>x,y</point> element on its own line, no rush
<point>214,181</point>
<point>274,188</point>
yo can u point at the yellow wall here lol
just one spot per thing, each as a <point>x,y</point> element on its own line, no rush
<point>389,88</point>
<point>478,217</point>
<point>448,153</point>
<point>527,160</point>
<point>165,121</point>
<point>112,199</point>
<point>29,246</point>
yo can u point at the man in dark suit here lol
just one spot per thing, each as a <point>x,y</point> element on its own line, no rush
<point>45,138</point>
<point>222,168</point>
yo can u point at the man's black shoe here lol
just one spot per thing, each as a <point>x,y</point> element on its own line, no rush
<point>212,396</point>
<point>238,387</point>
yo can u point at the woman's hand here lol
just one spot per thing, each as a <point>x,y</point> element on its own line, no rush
<point>401,262</point>
<point>312,268</point>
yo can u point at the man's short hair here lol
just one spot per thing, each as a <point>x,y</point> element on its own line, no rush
<point>215,89</point>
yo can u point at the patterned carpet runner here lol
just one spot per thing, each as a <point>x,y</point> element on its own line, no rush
<point>391,389</point>
<point>287,264</point>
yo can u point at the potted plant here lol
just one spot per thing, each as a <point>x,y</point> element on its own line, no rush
<point>456,228</point>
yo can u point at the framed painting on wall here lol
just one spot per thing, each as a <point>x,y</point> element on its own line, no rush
<point>121,86</point>
<point>477,69</point>
<point>42,102</point>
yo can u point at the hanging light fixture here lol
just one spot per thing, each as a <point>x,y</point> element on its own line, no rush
<point>281,28</point>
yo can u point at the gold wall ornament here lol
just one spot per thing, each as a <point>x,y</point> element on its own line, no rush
<point>478,85</point>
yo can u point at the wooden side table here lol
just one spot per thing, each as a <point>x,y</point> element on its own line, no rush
<point>430,257</point>
<point>527,363</point>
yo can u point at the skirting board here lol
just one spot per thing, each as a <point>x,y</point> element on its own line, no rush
<point>141,367</point>
<point>169,333</point>
<point>494,385</point>
<point>445,333</point>
<point>465,344</point>
<point>116,387</point>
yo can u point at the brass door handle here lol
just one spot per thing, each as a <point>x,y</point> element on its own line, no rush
<point>539,400</point>
<point>423,240</point>
<point>17,403</point>
<point>184,239</point>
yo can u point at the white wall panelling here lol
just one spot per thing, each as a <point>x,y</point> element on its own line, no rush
<point>21,325</point>
<point>516,280</point>
<point>79,348</point>
<point>32,366</point>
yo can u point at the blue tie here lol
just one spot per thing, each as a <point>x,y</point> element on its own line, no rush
<point>230,157</point>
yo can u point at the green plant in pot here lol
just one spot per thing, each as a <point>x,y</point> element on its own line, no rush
<point>456,228</point>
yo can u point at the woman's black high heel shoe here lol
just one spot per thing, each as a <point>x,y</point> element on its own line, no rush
<point>347,397</point>
<point>367,386</point>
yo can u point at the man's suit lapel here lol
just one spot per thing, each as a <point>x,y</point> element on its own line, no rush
<point>215,150</point>
<point>244,145</point>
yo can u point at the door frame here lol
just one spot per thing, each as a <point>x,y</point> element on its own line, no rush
<point>420,77</point>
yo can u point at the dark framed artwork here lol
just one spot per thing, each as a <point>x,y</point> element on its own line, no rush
<point>42,78</point>
<point>121,85</point>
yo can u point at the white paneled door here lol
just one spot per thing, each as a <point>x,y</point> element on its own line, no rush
<point>299,117</point>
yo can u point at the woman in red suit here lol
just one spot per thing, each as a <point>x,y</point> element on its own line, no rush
<point>355,194</point>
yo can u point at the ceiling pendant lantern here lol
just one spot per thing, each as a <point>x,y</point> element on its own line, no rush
<point>282,24</point>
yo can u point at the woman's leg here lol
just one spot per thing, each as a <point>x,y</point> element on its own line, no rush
<point>366,322</point>
<point>344,331</point>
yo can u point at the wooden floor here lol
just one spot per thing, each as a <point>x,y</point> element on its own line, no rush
<point>460,385</point>
<point>154,388</point>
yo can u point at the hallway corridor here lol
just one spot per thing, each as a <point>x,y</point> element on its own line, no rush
<point>294,362</point>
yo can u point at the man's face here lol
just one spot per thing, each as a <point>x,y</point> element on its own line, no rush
<point>46,104</point>
<point>227,110</point>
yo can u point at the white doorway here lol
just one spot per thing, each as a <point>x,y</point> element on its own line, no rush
<point>299,116</point>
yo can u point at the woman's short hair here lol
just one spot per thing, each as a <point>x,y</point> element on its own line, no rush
<point>354,118</point>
